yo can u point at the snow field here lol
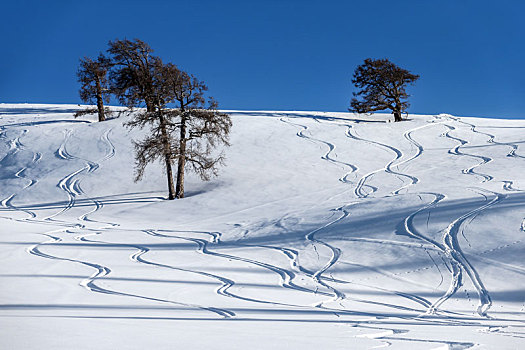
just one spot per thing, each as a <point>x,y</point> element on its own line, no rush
<point>324,230</point>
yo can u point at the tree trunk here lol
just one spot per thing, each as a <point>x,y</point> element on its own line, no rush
<point>397,116</point>
<point>100,103</point>
<point>150,106</point>
<point>167,157</point>
<point>182,159</point>
<point>169,173</point>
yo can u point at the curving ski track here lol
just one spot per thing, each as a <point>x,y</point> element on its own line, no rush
<point>456,151</point>
<point>359,189</point>
<point>448,249</point>
<point>336,252</point>
<point>102,271</point>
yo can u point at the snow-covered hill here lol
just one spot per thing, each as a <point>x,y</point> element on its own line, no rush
<point>324,230</point>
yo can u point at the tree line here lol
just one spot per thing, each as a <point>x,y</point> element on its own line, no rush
<point>184,125</point>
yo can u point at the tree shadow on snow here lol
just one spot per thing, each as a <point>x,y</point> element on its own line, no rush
<point>306,115</point>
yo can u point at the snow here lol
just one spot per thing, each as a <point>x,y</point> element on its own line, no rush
<point>324,230</point>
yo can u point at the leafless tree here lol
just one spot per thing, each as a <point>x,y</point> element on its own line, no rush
<point>93,75</point>
<point>160,141</point>
<point>201,128</point>
<point>188,133</point>
<point>133,72</point>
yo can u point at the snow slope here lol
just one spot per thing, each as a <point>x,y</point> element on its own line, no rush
<point>324,230</point>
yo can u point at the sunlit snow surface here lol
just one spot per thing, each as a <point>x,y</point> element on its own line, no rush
<point>324,231</point>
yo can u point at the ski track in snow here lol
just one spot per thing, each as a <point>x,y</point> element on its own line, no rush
<point>507,184</point>
<point>310,237</point>
<point>328,155</point>
<point>202,247</point>
<point>460,263</point>
<point>448,250</point>
<point>98,205</point>
<point>361,184</point>
<point>450,247</point>
<point>450,243</point>
<point>456,151</point>
<point>101,272</point>
<point>16,146</point>
<point>139,257</point>
<point>408,226</point>
<point>71,185</point>
<point>388,168</point>
<point>336,252</point>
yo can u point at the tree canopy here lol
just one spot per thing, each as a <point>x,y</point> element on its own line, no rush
<point>93,77</point>
<point>382,86</point>
<point>182,126</point>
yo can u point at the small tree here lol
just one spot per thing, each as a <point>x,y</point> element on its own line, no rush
<point>200,128</point>
<point>382,85</point>
<point>92,74</point>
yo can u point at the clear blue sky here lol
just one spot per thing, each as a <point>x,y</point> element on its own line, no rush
<point>280,54</point>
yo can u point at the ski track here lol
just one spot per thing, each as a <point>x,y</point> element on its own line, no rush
<point>456,151</point>
<point>228,283</point>
<point>513,146</point>
<point>408,226</point>
<point>361,184</point>
<point>450,246</point>
<point>285,275</point>
<point>328,155</point>
<point>310,237</point>
<point>448,250</point>
<point>507,184</point>
<point>71,185</point>
<point>449,238</point>
<point>335,252</point>
<point>18,146</point>
<point>388,168</point>
<point>15,146</point>
<point>94,166</point>
<point>102,271</point>
<point>453,250</point>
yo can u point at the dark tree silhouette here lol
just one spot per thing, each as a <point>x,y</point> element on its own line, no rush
<point>133,73</point>
<point>140,79</point>
<point>160,141</point>
<point>201,128</point>
<point>187,133</point>
<point>382,86</point>
<point>93,75</point>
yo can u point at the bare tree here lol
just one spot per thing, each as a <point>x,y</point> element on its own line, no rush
<point>93,75</point>
<point>382,85</point>
<point>188,133</point>
<point>160,141</point>
<point>133,73</point>
<point>137,79</point>
<point>201,128</point>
